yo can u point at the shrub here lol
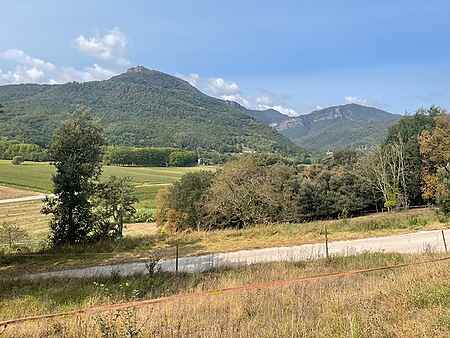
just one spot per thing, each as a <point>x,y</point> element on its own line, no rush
<point>248,191</point>
<point>143,216</point>
<point>12,234</point>
<point>182,158</point>
<point>17,160</point>
<point>181,206</point>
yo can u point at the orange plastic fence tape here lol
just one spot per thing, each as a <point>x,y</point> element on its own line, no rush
<point>219,292</point>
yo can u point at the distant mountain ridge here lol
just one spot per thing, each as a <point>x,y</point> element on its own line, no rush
<point>140,107</point>
<point>270,117</point>
<point>349,125</point>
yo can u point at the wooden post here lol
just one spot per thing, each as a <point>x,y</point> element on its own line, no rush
<point>326,242</point>
<point>176,260</point>
<point>443,238</point>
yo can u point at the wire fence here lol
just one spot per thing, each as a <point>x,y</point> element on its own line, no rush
<point>212,293</point>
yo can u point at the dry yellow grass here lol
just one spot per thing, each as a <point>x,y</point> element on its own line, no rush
<point>141,240</point>
<point>411,302</point>
<point>9,192</point>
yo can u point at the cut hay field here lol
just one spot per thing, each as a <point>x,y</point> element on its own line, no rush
<point>412,301</point>
<point>11,193</point>
<point>36,177</point>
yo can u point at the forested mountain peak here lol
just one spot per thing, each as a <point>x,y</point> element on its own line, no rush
<point>339,127</point>
<point>141,107</point>
<point>140,75</point>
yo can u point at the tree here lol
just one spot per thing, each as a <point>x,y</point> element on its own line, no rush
<point>114,200</point>
<point>76,152</point>
<point>383,168</point>
<point>10,234</point>
<point>435,151</point>
<point>248,190</point>
<point>17,160</point>
<point>182,158</point>
<point>407,131</point>
<point>181,206</point>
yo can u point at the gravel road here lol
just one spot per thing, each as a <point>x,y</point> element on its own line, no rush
<point>25,199</point>
<point>417,242</point>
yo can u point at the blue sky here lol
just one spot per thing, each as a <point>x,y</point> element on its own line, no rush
<point>291,55</point>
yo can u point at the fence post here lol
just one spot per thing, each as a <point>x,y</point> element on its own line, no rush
<point>445,243</point>
<point>326,242</point>
<point>176,259</point>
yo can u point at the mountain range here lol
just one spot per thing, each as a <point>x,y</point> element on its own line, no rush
<point>336,127</point>
<point>143,107</point>
<point>140,107</point>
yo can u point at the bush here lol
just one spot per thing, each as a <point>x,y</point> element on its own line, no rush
<point>248,191</point>
<point>182,158</point>
<point>17,160</point>
<point>181,206</point>
<point>143,216</point>
<point>12,234</point>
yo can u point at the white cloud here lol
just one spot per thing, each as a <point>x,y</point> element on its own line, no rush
<point>271,101</point>
<point>354,99</point>
<point>231,91</point>
<point>282,109</point>
<point>28,69</point>
<point>91,73</point>
<point>220,87</point>
<point>109,47</point>
<point>193,78</point>
<point>35,74</point>
<point>227,90</point>
<point>20,57</point>
<point>236,98</point>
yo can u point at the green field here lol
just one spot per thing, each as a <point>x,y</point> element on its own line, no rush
<point>37,177</point>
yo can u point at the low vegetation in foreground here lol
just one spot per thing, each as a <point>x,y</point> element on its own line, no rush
<point>405,302</point>
<point>142,240</point>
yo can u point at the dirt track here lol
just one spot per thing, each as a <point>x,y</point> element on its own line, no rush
<point>417,242</point>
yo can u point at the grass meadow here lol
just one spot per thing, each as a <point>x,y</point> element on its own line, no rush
<point>408,302</point>
<point>36,176</point>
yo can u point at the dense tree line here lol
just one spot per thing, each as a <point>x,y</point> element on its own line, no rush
<point>29,152</point>
<point>151,157</point>
<point>252,189</point>
<point>412,167</point>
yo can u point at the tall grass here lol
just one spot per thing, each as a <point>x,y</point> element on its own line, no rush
<point>409,302</point>
<point>141,241</point>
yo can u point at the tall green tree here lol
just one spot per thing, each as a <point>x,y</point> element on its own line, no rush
<point>435,149</point>
<point>406,133</point>
<point>76,152</point>
<point>114,201</point>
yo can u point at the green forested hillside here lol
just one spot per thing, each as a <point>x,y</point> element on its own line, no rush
<point>138,108</point>
<point>339,127</point>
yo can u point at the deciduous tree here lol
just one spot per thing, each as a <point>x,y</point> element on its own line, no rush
<point>76,153</point>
